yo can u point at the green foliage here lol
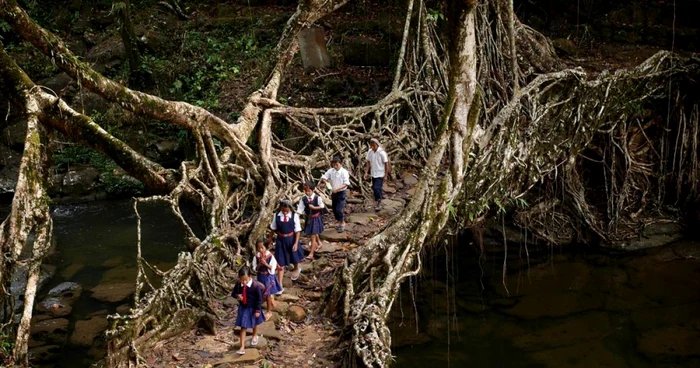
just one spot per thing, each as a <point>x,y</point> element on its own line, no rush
<point>434,15</point>
<point>6,344</point>
<point>75,155</point>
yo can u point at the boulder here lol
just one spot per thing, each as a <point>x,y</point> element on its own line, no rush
<point>57,82</point>
<point>591,327</point>
<point>113,262</point>
<point>251,356</point>
<point>269,330</point>
<point>109,50</point>
<point>583,355</point>
<point>14,134</point>
<point>391,207</point>
<point>78,181</point>
<point>124,309</point>
<point>565,46</point>
<point>67,290</point>
<point>9,168</point>
<point>87,331</point>
<point>47,353</point>
<point>281,307</point>
<point>230,302</point>
<point>332,235</point>
<point>670,342</point>
<point>54,306</point>
<point>52,331</point>
<point>366,51</point>
<point>113,293</point>
<point>312,47</point>
<point>654,235</point>
<point>409,179</point>
<point>296,313</point>
<point>19,281</point>
<point>361,218</point>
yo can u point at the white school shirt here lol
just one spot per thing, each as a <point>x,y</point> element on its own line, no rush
<point>273,261</point>
<point>377,161</point>
<point>337,177</point>
<point>301,207</point>
<point>297,224</point>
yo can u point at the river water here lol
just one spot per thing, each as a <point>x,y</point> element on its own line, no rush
<point>571,307</point>
<point>565,307</point>
<point>96,244</point>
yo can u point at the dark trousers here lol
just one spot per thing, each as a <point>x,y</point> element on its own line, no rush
<point>338,200</point>
<point>377,185</point>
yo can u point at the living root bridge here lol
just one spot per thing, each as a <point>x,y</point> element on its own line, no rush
<point>499,135</point>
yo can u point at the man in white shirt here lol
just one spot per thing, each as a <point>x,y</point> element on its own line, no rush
<point>378,162</point>
<point>340,180</point>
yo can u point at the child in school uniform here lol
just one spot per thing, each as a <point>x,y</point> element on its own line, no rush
<point>340,181</point>
<point>250,296</point>
<point>311,206</point>
<point>265,265</point>
<point>287,226</point>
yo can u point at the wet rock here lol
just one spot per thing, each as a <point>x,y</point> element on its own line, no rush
<point>113,262</point>
<point>54,306</point>
<point>312,47</point>
<point>313,296</point>
<point>666,282</point>
<point>409,179</point>
<point>9,169</point>
<point>332,235</point>
<point>251,356</point>
<point>47,353</point>
<point>120,274</point>
<point>361,218</point>
<point>88,102</point>
<point>230,302</point>
<point>670,342</point>
<point>262,342</point>
<point>57,82</point>
<point>87,331</point>
<point>389,189</point>
<point>113,293</point>
<point>589,354</point>
<point>331,247</point>
<point>14,134</point>
<point>52,331</point>
<point>366,51</point>
<point>658,318</point>
<point>296,313</point>
<point>124,309</point>
<point>406,335</point>
<point>67,290</point>
<point>168,150</point>
<point>391,207</point>
<point>71,270</point>
<point>79,180</point>
<point>356,200</point>
<point>288,298</point>
<point>655,235</point>
<point>281,307</point>
<point>268,330</point>
<point>565,46</point>
<point>109,50</point>
<point>552,305</point>
<point>19,281</point>
<point>590,327</point>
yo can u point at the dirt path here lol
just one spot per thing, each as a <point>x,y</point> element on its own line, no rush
<point>296,335</point>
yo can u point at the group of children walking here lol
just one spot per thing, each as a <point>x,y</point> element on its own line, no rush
<point>285,228</point>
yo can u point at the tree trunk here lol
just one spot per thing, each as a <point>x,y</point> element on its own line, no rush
<point>122,8</point>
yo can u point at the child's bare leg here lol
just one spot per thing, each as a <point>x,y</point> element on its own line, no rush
<point>280,274</point>
<point>242,336</point>
<point>270,305</point>
<point>314,244</point>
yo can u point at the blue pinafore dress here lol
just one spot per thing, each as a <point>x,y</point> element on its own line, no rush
<point>285,242</point>
<point>251,303</point>
<point>314,221</point>
<point>268,278</point>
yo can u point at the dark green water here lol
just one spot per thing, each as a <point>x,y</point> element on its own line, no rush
<point>585,309</point>
<point>96,244</point>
